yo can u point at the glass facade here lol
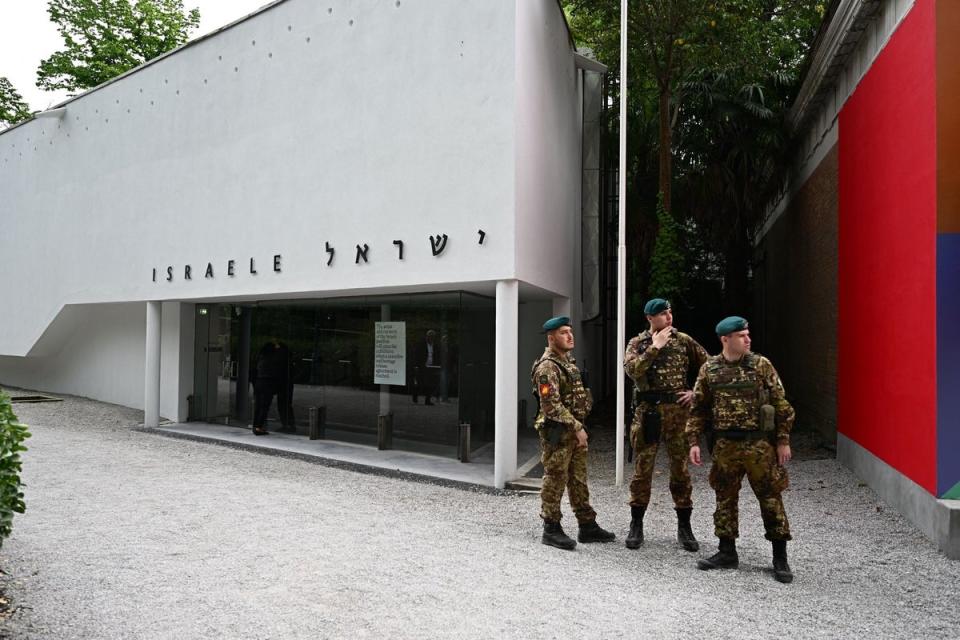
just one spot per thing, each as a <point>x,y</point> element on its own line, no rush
<point>424,360</point>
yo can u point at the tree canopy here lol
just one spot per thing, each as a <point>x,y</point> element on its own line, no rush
<point>710,83</point>
<point>105,38</point>
<point>13,108</point>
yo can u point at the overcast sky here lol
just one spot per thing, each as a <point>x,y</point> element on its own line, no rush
<point>27,36</point>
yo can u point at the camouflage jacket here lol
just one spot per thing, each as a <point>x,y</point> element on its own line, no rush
<point>666,369</point>
<point>728,395</point>
<point>559,387</point>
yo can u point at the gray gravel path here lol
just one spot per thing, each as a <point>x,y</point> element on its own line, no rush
<point>130,535</point>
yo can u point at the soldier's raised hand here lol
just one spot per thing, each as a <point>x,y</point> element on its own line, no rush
<point>661,337</point>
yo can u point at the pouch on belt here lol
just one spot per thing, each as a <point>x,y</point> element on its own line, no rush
<point>554,431</point>
<point>651,424</point>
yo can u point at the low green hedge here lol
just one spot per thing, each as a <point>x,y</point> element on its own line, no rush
<point>12,435</point>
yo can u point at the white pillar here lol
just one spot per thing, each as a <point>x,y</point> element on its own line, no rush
<point>151,386</point>
<point>505,384</point>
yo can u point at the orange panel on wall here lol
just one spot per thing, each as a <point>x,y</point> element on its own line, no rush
<point>948,116</point>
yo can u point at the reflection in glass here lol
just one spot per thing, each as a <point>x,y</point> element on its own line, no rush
<point>330,356</point>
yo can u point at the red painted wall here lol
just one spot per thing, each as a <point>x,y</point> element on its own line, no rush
<point>887,254</point>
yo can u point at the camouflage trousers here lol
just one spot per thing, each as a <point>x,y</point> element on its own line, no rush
<point>757,459</point>
<point>564,466</point>
<point>673,421</point>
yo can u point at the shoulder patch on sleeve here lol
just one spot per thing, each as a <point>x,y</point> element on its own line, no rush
<point>544,387</point>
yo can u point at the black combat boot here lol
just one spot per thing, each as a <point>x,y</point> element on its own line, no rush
<point>591,532</point>
<point>635,537</point>
<point>725,558</point>
<point>684,533</point>
<point>781,569</point>
<point>554,536</point>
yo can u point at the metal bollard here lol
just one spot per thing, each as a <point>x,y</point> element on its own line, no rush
<point>385,431</point>
<point>191,408</point>
<point>463,442</point>
<point>317,419</point>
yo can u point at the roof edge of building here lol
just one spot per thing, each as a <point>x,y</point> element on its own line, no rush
<point>835,41</point>
<point>150,62</point>
<point>215,32</point>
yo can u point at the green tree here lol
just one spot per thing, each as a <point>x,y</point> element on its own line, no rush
<point>667,261</point>
<point>12,435</point>
<point>668,39</point>
<point>737,157</point>
<point>709,87</point>
<point>105,38</point>
<point>13,109</point>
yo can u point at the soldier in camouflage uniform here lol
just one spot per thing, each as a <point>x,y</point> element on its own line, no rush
<point>661,361</point>
<point>739,396</point>
<point>564,405</point>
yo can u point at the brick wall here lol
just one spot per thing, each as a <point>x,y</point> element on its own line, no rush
<point>795,281</point>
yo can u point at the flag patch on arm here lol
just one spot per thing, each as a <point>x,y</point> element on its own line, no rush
<point>545,387</point>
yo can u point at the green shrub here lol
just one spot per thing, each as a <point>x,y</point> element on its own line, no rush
<point>667,262</point>
<point>12,435</point>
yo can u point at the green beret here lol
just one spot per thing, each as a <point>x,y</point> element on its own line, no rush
<point>655,306</point>
<point>728,325</point>
<point>556,323</point>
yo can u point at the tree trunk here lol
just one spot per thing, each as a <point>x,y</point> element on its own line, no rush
<point>666,140</point>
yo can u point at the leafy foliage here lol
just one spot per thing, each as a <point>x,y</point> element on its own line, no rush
<point>667,261</point>
<point>13,108</point>
<point>105,38</point>
<point>710,83</point>
<point>12,435</point>
<point>737,153</point>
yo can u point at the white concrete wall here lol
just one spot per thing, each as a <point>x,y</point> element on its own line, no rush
<point>297,127</point>
<point>533,313</point>
<point>547,152</point>
<point>103,358</point>
<point>548,176</point>
<point>178,324</point>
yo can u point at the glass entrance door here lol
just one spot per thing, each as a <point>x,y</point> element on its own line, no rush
<point>215,369</point>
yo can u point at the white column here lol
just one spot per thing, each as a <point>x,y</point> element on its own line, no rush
<point>151,386</point>
<point>505,384</point>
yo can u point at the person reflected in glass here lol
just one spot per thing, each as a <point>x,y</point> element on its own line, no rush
<point>426,365</point>
<point>448,364</point>
<point>271,377</point>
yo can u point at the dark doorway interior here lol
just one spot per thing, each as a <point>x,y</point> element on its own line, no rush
<point>445,373</point>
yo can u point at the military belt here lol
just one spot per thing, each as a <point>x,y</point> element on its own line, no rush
<point>742,434</point>
<point>658,397</point>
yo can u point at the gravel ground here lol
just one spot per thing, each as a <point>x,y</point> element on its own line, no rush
<point>130,535</point>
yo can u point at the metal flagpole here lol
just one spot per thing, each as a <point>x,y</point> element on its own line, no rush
<point>621,240</point>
